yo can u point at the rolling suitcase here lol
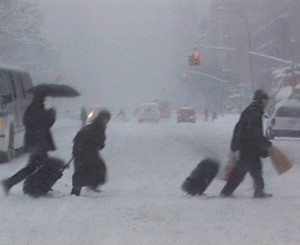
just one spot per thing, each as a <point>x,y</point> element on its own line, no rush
<point>41,182</point>
<point>201,177</point>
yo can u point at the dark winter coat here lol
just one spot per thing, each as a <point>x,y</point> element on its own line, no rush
<point>248,133</point>
<point>38,121</point>
<point>90,169</point>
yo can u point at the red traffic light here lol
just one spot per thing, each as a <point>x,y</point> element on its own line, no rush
<point>197,56</point>
<point>195,59</point>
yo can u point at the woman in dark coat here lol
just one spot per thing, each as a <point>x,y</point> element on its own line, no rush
<point>90,169</point>
<point>37,140</point>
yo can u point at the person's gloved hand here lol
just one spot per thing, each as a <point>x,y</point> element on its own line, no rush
<point>52,112</point>
<point>265,152</point>
<point>101,146</point>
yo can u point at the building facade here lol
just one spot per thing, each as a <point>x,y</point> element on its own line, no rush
<point>268,28</point>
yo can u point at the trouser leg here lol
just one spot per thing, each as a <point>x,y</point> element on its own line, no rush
<point>76,183</point>
<point>35,160</point>
<point>19,176</point>
<point>235,179</point>
<point>255,171</point>
<point>76,191</point>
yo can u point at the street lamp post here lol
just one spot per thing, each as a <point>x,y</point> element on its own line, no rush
<point>251,62</point>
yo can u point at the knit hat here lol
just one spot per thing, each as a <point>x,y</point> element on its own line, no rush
<point>260,94</point>
<point>104,114</point>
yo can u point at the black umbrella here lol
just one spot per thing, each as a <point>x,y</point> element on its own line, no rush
<point>54,90</point>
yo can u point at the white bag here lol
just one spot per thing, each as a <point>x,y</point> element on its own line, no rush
<point>227,166</point>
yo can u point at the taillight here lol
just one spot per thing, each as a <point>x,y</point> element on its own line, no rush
<point>273,122</point>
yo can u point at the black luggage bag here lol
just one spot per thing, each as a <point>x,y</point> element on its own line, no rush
<point>41,182</point>
<point>201,177</point>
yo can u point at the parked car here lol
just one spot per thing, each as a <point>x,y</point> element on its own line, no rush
<point>186,114</point>
<point>13,102</point>
<point>284,120</point>
<point>148,112</point>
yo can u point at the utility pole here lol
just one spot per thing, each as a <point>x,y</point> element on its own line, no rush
<point>251,62</point>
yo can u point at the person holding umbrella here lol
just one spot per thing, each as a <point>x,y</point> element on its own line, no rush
<point>90,169</point>
<point>38,138</point>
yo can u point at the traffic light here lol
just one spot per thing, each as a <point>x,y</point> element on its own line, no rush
<point>197,58</point>
<point>191,60</point>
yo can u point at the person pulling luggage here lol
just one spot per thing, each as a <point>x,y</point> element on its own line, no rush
<point>37,139</point>
<point>250,144</point>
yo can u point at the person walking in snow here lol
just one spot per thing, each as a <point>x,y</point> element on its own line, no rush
<point>214,114</point>
<point>206,114</point>
<point>90,169</point>
<point>37,140</point>
<point>251,145</point>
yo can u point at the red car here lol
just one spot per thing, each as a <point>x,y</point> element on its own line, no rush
<point>186,114</point>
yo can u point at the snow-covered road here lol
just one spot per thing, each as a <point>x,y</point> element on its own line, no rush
<point>142,202</point>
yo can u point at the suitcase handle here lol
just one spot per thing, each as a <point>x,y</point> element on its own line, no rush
<point>67,165</point>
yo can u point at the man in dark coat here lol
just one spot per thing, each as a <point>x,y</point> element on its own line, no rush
<point>37,140</point>
<point>90,169</point>
<point>249,141</point>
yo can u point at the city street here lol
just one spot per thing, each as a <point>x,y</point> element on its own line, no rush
<point>142,203</point>
<point>171,79</point>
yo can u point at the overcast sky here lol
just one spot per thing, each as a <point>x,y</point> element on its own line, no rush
<point>122,49</point>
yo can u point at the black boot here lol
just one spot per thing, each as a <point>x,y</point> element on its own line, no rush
<point>226,194</point>
<point>261,194</point>
<point>16,178</point>
<point>6,186</point>
<point>76,191</point>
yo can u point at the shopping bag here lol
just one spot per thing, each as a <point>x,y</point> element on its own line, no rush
<point>280,160</point>
<point>227,166</point>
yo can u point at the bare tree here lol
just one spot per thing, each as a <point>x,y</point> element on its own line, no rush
<point>19,20</point>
